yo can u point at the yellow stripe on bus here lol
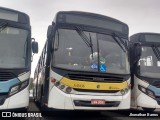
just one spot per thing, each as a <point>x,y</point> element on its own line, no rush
<point>93,85</point>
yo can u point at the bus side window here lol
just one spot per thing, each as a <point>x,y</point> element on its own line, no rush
<point>45,54</point>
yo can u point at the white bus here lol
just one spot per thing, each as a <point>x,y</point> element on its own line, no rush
<point>84,64</point>
<point>145,67</point>
<point>15,58</point>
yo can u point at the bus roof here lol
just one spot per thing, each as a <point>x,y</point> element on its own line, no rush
<point>100,18</point>
<point>145,37</point>
<point>14,15</point>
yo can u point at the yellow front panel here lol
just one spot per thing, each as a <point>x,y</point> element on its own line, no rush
<point>79,84</point>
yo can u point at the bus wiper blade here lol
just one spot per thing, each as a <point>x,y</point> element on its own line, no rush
<point>3,25</point>
<point>87,40</point>
<point>156,52</point>
<point>83,36</point>
<point>91,44</point>
<point>120,42</point>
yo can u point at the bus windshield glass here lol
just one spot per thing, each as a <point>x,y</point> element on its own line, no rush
<point>102,54</point>
<point>13,48</point>
<point>149,65</point>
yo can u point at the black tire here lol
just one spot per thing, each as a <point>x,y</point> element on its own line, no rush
<point>25,109</point>
<point>41,99</point>
<point>148,109</point>
<point>43,108</point>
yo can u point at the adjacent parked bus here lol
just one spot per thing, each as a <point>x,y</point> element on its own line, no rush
<point>15,58</point>
<point>84,64</point>
<point>145,67</point>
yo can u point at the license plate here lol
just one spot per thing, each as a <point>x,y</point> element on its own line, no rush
<point>97,102</point>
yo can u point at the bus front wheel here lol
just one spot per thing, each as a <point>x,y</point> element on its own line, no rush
<point>148,109</point>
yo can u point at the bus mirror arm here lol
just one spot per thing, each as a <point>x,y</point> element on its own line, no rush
<point>138,51</point>
<point>34,46</point>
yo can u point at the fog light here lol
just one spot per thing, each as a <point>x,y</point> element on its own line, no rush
<point>68,90</point>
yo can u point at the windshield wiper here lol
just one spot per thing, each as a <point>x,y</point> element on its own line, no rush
<point>84,37</point>
<point>156,52</point>
<point>120,42</point>
<point>91,44</point>
<point>3,25</point>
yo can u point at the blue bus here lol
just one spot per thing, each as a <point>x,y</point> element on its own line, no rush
<point>16,47</point>
<point>145,67</point>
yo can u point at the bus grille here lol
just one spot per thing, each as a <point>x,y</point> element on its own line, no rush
<point>6,76</point>
<point>97,91</point>
<point>95,78</point>
<point>156,84</point>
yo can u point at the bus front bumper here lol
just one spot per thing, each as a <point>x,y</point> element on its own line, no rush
<point>61,100</point>
<point>145,101</point>
<point>18,100</point>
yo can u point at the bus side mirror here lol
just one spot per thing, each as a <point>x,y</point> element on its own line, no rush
<point>34,46</point>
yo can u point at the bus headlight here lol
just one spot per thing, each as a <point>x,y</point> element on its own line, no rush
<point>57,84</point>
<point>68,90</point>
<point>125,90</point>
<point>150,93</point>
<point>24,84</point>
<point>122,92</point>
<point>63,87</point>
<point>146,91</point>
<point>15,89</point>
<point>142,89</point>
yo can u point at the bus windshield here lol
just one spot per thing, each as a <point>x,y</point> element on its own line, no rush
<point>103,55</point>
<point>13,47</point>
<point>149,66</point>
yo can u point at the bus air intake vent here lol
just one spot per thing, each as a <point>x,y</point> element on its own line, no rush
<point>6,76</point>
<point>95,78</point>
<point>96,91</point>
<point>156,84</point>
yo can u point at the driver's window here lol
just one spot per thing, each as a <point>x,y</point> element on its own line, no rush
<point>56,41</point>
